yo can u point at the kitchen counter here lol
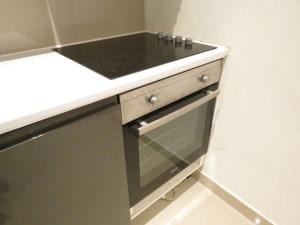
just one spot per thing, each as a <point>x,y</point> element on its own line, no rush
<point>41,86</point>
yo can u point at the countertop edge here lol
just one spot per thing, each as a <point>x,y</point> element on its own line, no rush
<point>120,85</point>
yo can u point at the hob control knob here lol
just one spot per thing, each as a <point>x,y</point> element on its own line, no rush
<point>170,37</point>
<point>204,78</point>
<point>188,41</point>
<point>160,35</point>
<point>178,39</point>
<point>152,99</point>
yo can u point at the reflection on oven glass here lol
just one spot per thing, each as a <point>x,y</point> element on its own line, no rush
<point>173,146</point>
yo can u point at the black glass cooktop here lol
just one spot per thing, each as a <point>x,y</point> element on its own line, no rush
<point>120,56</point>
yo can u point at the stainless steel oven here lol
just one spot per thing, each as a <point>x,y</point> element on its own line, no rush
<point>167,144</point>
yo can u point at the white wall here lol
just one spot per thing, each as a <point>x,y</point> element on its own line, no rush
<point>255,150</point>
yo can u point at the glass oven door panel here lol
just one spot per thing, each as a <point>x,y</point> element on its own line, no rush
<point>163,143</point>
<point>153,165</point>
<point>173,146</point>
<point>183,132</point>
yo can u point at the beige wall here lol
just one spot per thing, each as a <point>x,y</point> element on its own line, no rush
<point>255,150</point>
<point>31,24</point>
<point>77,20</point>
<point>24,25</point>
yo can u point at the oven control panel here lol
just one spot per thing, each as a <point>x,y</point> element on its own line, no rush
<point>146,99</point>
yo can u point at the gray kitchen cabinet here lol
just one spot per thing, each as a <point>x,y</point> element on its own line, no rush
<point>66,171</point>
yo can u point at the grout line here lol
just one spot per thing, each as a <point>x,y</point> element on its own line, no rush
<point>52,22</point>
<point>232,200</point>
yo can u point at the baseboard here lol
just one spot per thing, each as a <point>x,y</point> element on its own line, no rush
<point>230,199</point>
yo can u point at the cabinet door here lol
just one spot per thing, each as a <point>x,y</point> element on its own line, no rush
<point>72,175</point>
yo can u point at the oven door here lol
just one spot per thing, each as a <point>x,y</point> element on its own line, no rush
<point>165,142</point>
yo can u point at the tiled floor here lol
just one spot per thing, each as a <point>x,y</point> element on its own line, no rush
<point>194,205</point>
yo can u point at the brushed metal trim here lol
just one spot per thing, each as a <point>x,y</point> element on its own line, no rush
<point>132,94</point>
<point>135,103</point>
<point>146,127</point>
<point>231,200</point>
<point>162,190</point>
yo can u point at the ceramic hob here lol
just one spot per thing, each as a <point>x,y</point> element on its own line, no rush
<point>120,56</point>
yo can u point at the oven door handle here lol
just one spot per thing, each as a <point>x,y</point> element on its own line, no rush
<point>146,127</point>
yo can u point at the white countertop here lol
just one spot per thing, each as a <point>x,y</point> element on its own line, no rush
<point>38,87</point>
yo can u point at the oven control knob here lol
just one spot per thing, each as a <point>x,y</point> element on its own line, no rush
<point>203,78</point>
<point>152,99</point>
